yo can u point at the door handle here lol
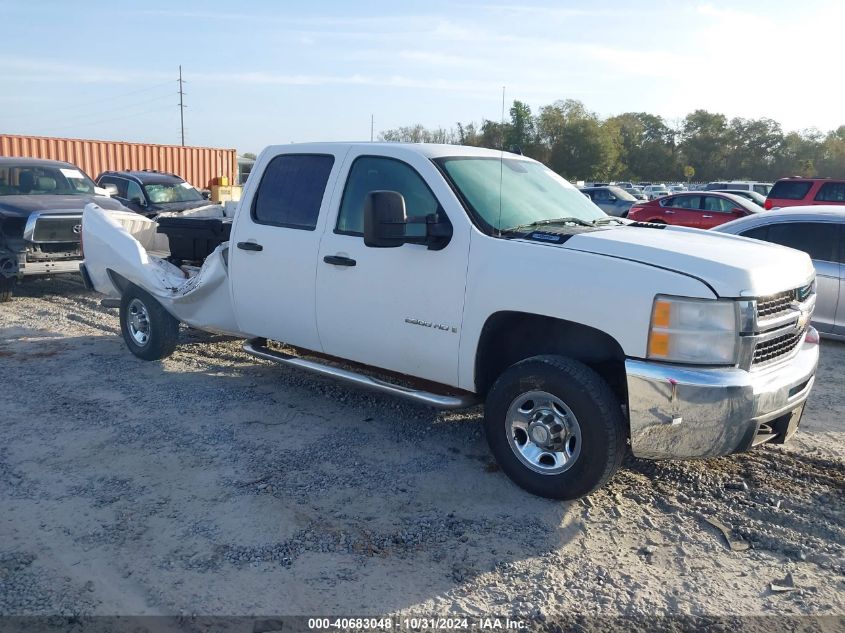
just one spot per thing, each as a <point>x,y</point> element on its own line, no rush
<point>669,212</point>
<point>250,246</point>
<point>339,260</point>
<point>706,216</point>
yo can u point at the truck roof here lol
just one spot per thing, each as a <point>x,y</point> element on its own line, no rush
<point>22,161</point>
<point>429,150</point>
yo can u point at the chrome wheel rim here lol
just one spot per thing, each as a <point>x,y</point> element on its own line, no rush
<point>543,432</point>
<point>138,322</point>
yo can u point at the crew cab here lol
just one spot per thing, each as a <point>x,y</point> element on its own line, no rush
<point>41,204</point>
<point>454,276</point>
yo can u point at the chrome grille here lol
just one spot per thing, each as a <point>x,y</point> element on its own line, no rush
<point>803,293</point>
<point>781,322</point>
<point>771,350</point>
<point>775,305</point>
<point>56,229</point>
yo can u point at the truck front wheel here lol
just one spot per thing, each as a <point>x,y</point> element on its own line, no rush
<point>150,332</point>
<point>555,427</point>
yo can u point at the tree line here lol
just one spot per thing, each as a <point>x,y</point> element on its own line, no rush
<point>639,146</point>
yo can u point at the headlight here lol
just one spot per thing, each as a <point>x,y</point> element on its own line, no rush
<point>701,331</point>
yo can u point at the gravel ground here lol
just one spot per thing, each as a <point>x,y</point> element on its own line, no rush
<point>214,484</point>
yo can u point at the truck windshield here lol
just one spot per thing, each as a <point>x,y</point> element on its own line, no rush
<point>530,192</point>
<point>162,193</point>
<point>37,180</point>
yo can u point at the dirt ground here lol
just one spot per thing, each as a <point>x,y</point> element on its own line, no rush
<point>211,483</point>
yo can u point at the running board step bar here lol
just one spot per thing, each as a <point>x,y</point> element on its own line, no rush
<point>259,349</point>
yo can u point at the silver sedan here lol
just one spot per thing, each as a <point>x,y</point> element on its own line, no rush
<point>819,231</point>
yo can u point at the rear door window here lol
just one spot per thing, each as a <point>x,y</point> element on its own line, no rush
<point>790,189</point>
<point>763,190</point>
<point>687,202</point>
<point>715,203</point>
<point>291,191</point>
<point>831,192</point>
<point>819,240</point>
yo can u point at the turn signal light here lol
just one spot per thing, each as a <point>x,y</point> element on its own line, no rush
<point>658,344</point>
<point>662,314</point>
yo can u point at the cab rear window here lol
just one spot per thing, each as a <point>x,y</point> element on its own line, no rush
<point>790,189</point>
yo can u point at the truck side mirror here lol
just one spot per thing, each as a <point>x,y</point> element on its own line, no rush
<point>385,222</point>
<point>384,219</point>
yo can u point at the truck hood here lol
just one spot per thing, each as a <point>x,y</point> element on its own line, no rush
<point>732,266</point>
<point>23,206</point>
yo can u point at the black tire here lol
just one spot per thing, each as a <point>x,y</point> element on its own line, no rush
<point>7,285</point>
<point>140,312</point>
<point>598,417</point>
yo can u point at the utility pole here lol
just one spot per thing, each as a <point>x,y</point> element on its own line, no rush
<point>181,106</point>
<point>372,123</point>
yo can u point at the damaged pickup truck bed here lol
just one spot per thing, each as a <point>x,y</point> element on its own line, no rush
<point>453,275</point>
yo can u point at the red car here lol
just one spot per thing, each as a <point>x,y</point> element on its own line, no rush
<point>792,192</point>
<point>698,209</point>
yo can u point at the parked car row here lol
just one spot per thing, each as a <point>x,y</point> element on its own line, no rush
<point>762,188</point>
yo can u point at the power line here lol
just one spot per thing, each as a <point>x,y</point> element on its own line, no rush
<point>119,117</point>
<point>81,104</point>
<point>120,108</point>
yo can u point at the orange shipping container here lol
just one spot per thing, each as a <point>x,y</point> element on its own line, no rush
<point>200,166</point>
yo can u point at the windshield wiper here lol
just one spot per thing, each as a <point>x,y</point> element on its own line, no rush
<point>536,223</point>
<point>607,220</point>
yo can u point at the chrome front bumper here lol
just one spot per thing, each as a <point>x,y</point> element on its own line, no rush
<point>681,412</point>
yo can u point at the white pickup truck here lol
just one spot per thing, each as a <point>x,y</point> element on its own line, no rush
<point>453,275</point>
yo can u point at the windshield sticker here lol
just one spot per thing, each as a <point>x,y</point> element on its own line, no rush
<point>71,173</point>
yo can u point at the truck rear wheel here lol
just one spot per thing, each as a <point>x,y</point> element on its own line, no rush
<point>149,330</point>
<point>7,285</point>
<point>555,427</point>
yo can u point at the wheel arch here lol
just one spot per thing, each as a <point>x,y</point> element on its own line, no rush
<point>508,337</point>
<point>120,282</point>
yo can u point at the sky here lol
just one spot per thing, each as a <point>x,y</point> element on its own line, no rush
<point>263,72</point>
